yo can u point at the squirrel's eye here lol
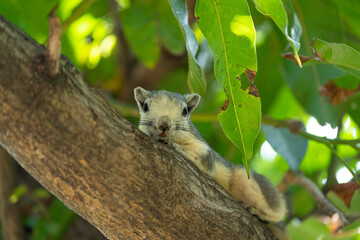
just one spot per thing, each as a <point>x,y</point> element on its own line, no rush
<point>185,111</point>
<point>145,107</point>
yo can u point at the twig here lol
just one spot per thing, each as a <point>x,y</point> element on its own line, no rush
<point>331,171</point>
<point>289,123</point>
<point>54,44</point>
<point>343,162</point>
<point>328,142</point>
<point>76,13</point>
<point>322,202</point>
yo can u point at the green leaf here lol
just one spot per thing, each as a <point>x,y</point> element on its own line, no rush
<point>268,44</point>
<point>353,225</point>
<point>18,192</point>
<point>338,202</point>
<point>347,81</point>
<point>141,32</point>
<point>30,16</point>
<point>169,32</point>
<point>338,54</point>
<point>317,151</point>
<point>229,30</point>
<point>41,193</point>
<point>311,228</point>
<point>196,76</point>
<point>355,202</point>
<point>290,146</point>
<point>275,9</point>
<point>148,25</point>
<point>304,84</point>
<point>349,11</point>
<point>54,224</point>
<point>302,202</point>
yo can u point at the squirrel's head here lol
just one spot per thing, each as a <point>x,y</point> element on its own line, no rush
<point>165,115</point>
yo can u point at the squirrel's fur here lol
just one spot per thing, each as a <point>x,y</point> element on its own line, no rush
<point>166,117</point>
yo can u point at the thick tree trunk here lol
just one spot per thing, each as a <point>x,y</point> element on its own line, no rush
<point>78,147</point>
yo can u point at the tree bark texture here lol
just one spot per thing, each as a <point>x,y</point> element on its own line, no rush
<point>66,136</point>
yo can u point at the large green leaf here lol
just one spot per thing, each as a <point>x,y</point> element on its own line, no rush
<point>269,87</point>
<point>275,9</point>
<point>169,32</point>
<point>340,55</point>
<point>229,30</point>
<point>30,16</point>
<point>141,32</point>
<point>196,76</point>
<point>290,146</point>
<point>349,11</point>
<point>311,228</point>
<point>148,25</point>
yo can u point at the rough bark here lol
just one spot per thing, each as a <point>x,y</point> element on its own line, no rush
<point>128,186</point>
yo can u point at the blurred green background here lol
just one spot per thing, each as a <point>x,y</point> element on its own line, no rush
<point>120,44</point>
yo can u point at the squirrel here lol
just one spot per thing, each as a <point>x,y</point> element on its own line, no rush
<point>165,116</point>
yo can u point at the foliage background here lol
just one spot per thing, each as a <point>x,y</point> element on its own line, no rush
<point>118,45</point>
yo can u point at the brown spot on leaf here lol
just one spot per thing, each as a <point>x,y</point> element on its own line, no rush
<point>253,90</point>
<point>250,75</point>
<point>291,56</point>
<point>318,55</point>
<point>315,52</point>
<point>336,94</point>
<point>226,103</point>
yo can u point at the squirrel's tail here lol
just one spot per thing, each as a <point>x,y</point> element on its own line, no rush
<point>258,195</point>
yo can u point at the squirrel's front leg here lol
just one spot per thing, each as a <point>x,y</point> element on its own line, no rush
<point>199,155</point>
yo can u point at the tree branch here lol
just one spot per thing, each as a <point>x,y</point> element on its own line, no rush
<point>76,13</point>
<point>288,124</point>
<point>322,202</point>
<point>328,142</point>
<point>78,147</point>
<point>54,44</point>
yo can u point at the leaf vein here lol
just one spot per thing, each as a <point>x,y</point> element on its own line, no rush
<point>228,76</point>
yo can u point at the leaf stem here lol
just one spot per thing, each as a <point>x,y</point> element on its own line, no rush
<point>76,13</point>
<point>344,163</point>
<point>288,124</point>
<point>328,142</point>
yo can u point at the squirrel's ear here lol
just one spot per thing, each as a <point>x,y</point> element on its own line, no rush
<point>140,95</point>
<point>192,101</point>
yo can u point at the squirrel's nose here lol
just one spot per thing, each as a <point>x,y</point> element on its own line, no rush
<point>164,126</point>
